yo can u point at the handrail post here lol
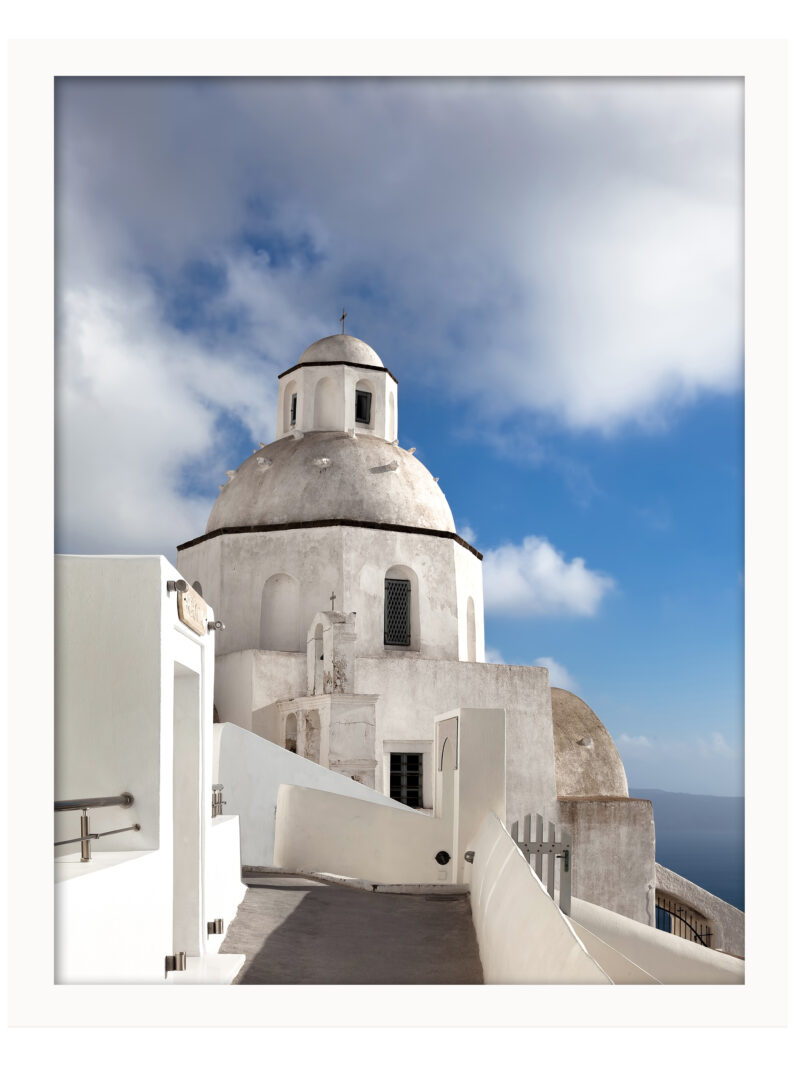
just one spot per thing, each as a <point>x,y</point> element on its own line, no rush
<point>86,848</point>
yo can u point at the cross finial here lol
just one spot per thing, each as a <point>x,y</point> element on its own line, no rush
<point>333,601</point>
<point>342,317</point>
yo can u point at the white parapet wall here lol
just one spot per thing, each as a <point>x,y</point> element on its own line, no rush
<point>523,937</point>
<point>252,769</point>
<point>321,832</point>
<point>670,959</point>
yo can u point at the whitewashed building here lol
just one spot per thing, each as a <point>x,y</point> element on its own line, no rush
<point>354,617</point>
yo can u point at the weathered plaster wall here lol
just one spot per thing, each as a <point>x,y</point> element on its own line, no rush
<point>614,853</point>
<point>727,922</point>
<point>350,561</point>
<point>587,761</point>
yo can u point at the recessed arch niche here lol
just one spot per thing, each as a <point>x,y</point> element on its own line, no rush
<point>281,629</point>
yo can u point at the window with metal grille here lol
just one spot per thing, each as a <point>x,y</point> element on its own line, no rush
<point>397,612</point>
<point>293,411</point>
<point>363,405</point>
<point>405,778</point>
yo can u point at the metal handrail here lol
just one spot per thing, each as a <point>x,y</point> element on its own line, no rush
<point>94,837</point>
<point>123,800</point>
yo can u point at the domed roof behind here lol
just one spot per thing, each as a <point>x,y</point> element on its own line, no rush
<point>587,761</point>
<point>331,475</point>
<point>341,348</point>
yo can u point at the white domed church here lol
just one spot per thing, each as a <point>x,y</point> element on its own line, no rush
<point>353,616</point>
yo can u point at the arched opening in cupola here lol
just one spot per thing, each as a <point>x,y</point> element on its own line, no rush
<point>326,413</point>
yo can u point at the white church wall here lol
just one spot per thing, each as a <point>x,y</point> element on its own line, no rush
<point>251,769</point>
<point>413,691</point>
<point>727,922</point>
<point>332,559</point>
<point>668,958</point>
<point>367,557</point>
<point>523,937</point>
<point>326,400</point>
<point>469,585</point>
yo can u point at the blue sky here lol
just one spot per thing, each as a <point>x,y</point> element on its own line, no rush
<point>551,268</point>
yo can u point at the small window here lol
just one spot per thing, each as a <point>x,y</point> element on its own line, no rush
<point>397,612</point>
<point>293,410</point>
<point>363,406</point>
<point>405,778</point>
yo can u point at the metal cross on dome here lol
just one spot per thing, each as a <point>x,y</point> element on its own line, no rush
<point>342,317</point>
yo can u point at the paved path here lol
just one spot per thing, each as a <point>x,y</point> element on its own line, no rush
<point>300,931</point>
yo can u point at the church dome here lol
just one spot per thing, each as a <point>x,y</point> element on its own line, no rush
<point>587,761</point>
<point>341,348</point>
<point>328,475</point>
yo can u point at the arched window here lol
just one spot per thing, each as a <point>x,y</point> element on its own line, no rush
<point>365,415</point>
<point>471,649</point>
<point>289,406</point>
<point>280,615</point>
<point>401,609</point>
<point>326,414</point>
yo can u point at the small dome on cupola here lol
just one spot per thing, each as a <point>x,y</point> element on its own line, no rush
<point>341,348</point>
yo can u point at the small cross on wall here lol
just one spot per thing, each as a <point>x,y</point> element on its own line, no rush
<point>333,601</point>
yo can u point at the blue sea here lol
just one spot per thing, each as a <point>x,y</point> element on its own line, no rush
<point>702,838</point>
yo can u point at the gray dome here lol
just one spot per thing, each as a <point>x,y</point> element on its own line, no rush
<point>587,761</point>
<point>341,348</point>
<point>292,483</point>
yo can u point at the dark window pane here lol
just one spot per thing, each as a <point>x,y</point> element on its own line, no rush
<point>397,612</point>
<point>363,406</point>
<point>405,778</point>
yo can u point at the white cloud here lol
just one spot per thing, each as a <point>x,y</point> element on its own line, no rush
<point>569,249</point>
<point>534,579</point>
<point>559,675</point>
<point>467,532</point>
<point>625,742</point>
<point>493,655</point>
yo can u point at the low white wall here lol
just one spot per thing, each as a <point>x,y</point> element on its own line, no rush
<point>727,922</point>
<point>670,959</point>
<point>316,831</point>
<point>251,770</point>
<point>113,918</point>
<point>522,935</point>
<point>224,887</point>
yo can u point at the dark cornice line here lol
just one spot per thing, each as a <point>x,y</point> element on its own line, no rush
<point>274,527</point>
<point>336,363</point>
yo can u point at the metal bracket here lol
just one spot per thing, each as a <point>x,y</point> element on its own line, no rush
<point>174,963</point>
<point>469,857</point>
<point>215,926</point>
<point>177,586</point>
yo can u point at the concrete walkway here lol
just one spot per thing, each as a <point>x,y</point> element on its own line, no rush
<point>296,930</point>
